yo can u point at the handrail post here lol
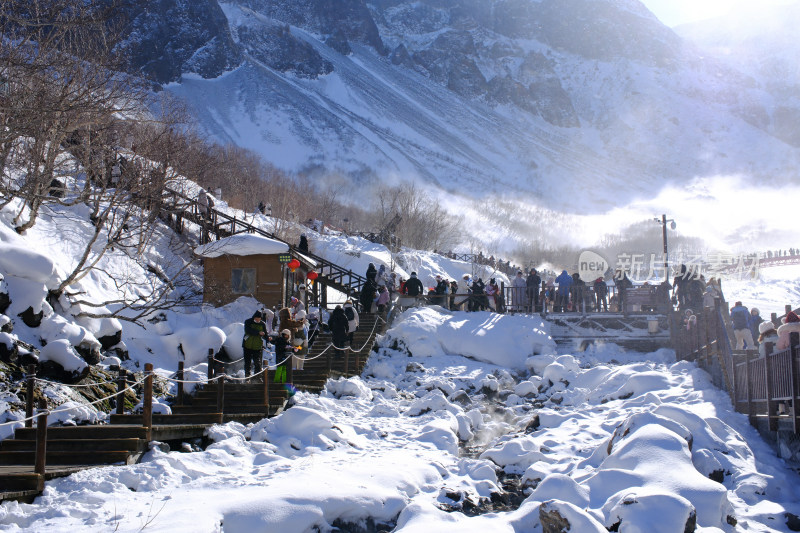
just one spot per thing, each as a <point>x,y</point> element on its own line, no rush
<point>30,384</point>
<point>210,364</point>
<point>794,341</point>
<point>749,386</point>
<point>220,393</point>
<point>147,401</point>
<point>41,438</point>
<point>290,370</point>
<point>180,383</point>
<point>265,366</point>
<point>122,379</point>
<point>347,360</point>
<point>771,408</point>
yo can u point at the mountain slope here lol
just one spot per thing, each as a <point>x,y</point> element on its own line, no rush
<point>579,105</point>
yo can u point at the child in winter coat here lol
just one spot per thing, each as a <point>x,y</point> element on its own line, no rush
<point>283,351</point>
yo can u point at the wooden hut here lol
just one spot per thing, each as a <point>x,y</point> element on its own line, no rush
<point>244,264</point>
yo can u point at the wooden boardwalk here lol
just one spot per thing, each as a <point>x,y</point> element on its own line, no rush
<point>126,438</point>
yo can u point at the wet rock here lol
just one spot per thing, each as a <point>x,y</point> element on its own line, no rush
<point>792,521</point>
<point>552,521</point>
<point>52,371</point>
<point>109,341</point>
<point>533,425</point>
<point>31,319</point>
<point>90,354</point>
<point>5,301</point>
<point>461,397</point>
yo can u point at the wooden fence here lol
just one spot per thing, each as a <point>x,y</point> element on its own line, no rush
<point>764,387</point>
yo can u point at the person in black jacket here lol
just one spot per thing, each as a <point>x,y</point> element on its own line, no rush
<point>532,283</point>
<point>441,291</point>
<point>283,354</point>
<point>413,286</point>
<point>254,332</point>
<point>372,273</point>
<point>601,294</point>
<point>338,324</point>
<point>303,246</point>
<point>367,296</point>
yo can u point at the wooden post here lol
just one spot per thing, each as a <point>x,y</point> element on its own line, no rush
<point>774,319</point>
<point>210,364</point>
<point>180,383</point>
<point>346,360</point>
<point>787,308</point>
<point>41,438</point>
<point>220,393</point>
<point>794,341</point>
<point>749,385</point>
<point>290,369</point>
<point>772,410</point>
<point>147,401</point>
<point>265,366</point>
<point>30,384</point>
<point>122,382</point>
<point>503,296</point>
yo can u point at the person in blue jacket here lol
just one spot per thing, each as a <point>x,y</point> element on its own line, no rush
<point>564,281</point>
<point>740,317</point>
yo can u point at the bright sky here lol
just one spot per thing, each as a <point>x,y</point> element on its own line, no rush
<point>675,12</point>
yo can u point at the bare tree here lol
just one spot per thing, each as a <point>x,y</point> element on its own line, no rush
<point>63,86</point>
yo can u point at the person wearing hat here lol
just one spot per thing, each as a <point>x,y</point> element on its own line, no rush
<point>303,246</point>
<point>253,343</point>
<point>283,352</point>
<point>755,321</point>
<point>300,342</point>
<point>441,291</point>
<point>791,324</point>
<point>767,334</point>
<point>297,305</point>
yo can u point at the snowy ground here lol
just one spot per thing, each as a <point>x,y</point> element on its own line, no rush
<point>602,437</point>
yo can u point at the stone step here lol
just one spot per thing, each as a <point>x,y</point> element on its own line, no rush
<point>75,445</point>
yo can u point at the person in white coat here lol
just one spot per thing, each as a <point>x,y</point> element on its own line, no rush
<point>352,320</point>
<point>518,288</point>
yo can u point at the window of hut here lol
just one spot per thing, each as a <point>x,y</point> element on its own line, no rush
<point>243,280</point>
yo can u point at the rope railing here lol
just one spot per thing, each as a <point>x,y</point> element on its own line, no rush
<point>73,386</point>
<point>57,410</point>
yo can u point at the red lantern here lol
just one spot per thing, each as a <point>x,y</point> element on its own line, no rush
<point>293,265</point>
<point>312,275</point>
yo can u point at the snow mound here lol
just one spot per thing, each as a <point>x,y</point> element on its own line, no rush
<point>503,340</point>
<point>27,264</point>
<point>61,351</point>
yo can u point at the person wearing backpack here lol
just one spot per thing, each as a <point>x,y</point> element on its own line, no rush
<point>740,317</point>
<point>352,320</point>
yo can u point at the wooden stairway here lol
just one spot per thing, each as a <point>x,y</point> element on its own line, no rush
<point>219,224</point>
<point>242,402</point>
<point>317,370</point>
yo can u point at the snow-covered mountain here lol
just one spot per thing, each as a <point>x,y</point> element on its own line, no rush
<point>581,104</point>
<point>761,41</point>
